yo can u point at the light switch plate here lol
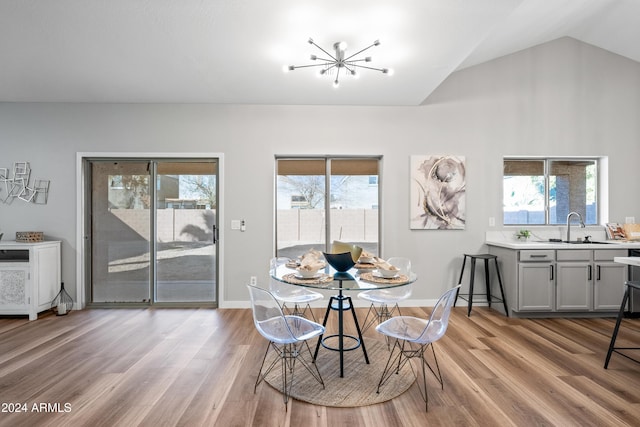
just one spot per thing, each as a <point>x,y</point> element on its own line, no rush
<point>235,224</point>
<point>630,220</point>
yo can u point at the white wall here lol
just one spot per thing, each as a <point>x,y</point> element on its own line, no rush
<point>561,98</point>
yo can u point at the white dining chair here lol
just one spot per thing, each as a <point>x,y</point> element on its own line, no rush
<point>288,339</point>
<point>413,336</point>
<point>384,302</point>
<point>294,300</point>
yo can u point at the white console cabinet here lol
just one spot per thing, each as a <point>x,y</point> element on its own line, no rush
<point>29,277</point>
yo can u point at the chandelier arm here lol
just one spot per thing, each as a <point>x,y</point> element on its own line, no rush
<point>370,68</point>
<point>324,59</point>
<point>351,70</point>
<point>311,65</point>
<point>360,51</point>
<point>331,56</point>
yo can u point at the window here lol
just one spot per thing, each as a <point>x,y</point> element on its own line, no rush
<point>544,190</point>
<point>322,199</point>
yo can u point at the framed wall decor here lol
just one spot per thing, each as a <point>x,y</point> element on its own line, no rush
<point>438,185</point>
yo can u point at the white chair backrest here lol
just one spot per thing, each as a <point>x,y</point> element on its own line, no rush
<point>277,262</point>
<point>439,319</point>
<point>404,264</point>
<point>277,287</point>
<point>268,316</point>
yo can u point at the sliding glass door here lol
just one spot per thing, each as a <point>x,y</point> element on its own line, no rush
<point>153,231</point>
<point>120,230</point>
<point>185,237</point>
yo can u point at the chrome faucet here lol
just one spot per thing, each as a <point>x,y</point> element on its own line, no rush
<point>569,223</point>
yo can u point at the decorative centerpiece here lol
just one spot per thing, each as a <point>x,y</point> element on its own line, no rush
<point>340,262</point>
<point>523,234</point>
<point>343,256</point>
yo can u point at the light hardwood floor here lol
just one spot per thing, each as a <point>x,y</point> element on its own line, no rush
<point>193,367</point>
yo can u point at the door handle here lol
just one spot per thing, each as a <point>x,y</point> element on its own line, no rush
<point>590,276</point>
<point>215,234</point>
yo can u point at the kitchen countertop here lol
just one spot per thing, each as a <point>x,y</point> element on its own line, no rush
<point>545,244</point>
<point>629,260</point>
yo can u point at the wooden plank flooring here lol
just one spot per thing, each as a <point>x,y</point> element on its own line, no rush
<point>197,367</point>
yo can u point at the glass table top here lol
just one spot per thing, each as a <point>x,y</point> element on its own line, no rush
<point>354,279</point>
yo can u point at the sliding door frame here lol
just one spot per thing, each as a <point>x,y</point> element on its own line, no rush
<point>83,255</point>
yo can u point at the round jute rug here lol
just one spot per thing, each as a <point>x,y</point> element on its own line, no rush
<point>357,387</point>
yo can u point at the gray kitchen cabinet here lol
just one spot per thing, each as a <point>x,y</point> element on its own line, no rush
<point>608,279</point>
<point>557,282</point>
<point>574,280</point>
<point>536,280</point>
<point>536,286</point>
<point>589,280</point>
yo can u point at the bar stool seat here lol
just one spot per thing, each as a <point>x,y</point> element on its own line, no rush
<point>612,345</point>
<point>489,298</point>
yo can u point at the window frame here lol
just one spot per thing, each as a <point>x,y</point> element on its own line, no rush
<point>328,159</point>
<point>600,182</point>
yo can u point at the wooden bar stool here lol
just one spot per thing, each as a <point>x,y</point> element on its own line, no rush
<point>612,345</point>
<point>490,298</point>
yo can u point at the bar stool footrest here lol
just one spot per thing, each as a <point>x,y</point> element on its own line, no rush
<point>466,297</point>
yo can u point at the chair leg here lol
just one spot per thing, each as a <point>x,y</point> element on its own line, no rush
<point>390,368</point>
<point>464,261</point>
<point>401,354</point>
<point>260,375</point>
<point>471,283</point>
<point>370,318</point>
<point>504,300</point>
<point>379,315</point>
<point>612,344</point>
<point>288,355</point>
<point>296,311</point>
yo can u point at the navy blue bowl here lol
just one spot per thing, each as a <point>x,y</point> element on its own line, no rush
<point>340,262</point>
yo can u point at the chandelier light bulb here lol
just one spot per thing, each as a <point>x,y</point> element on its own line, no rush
<point>336,83</point>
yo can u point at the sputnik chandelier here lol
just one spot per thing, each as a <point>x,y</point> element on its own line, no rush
<point>335,63</point>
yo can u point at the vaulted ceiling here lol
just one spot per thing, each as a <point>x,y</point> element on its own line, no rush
<point>233,51</point>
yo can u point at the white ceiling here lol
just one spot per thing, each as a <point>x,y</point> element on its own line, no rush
<point>233,51</point>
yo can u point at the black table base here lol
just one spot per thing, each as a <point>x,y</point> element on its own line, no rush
<point>341,303</point>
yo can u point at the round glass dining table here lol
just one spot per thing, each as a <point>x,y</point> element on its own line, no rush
<point>359,278</point>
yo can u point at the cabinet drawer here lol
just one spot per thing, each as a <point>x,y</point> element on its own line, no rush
<point>574,255</point>
<point>537,255</point>
<point>608,254</point>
